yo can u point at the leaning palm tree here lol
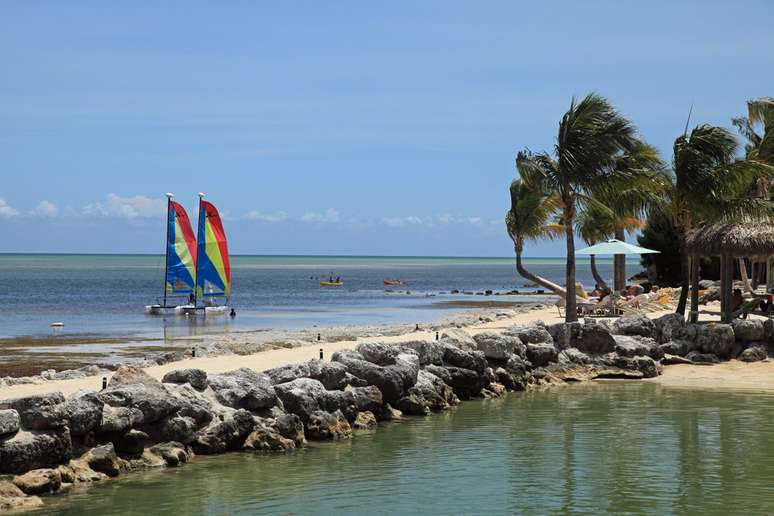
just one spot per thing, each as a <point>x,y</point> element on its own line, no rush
<point>760,113</point>
<point>707,183</point>
<point>595,225</point>
<point>591,135</point>
<point>528,219</point>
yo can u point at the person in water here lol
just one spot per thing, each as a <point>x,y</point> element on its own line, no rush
<point>232,313</point>
<point>338,279</point>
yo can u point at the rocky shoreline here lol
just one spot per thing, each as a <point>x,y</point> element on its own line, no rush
<point>49,442</point>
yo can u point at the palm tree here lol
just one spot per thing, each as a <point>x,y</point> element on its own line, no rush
<point>591,135</point>
<point>707,183</point>
<point>528,219</point>
<point>760,112</point>
<point>595,225</point>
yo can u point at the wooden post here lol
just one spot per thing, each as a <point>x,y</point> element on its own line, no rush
<point>728,289</point>
<point>722,283</point>
<point>693,315</point>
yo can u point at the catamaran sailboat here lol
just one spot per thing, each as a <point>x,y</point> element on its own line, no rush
<point>196,269</point>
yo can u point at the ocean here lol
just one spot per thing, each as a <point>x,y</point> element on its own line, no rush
<point>106,294</point>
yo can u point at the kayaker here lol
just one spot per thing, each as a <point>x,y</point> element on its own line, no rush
<point>338,279</point>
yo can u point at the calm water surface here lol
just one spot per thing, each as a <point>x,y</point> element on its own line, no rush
<point>106,294</point>
<point>585,449</point>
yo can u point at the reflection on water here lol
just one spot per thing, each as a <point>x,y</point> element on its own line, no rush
<point>602,448</point>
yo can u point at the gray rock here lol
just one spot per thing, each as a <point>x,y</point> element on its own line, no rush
<point>291,427</point>
<point>433,392</point>
<point>39,411</point>
<point>197,378</point>
<point>332,375</point>
<point>634,324</point>
<point>564,335</point>
<point>631,346</point>
<point>287,373</point>
<point>458,338</point>
<point>33,450</point>
<point>754,354</point>
<point>702,358</point>
<point>430,352</point>
<point>132,387</point>
<point>103,459</point>
<point>131,443</point>
<point>474,360</point>
<point>748,330</point>
<point>496,346</point>
<point>465,382</point>
<point>119,419</point>
<point>378,353</point>
<point>83,410</point>
<point>39,481</point>
<point>10,423</point>
<point>367,398</point>
<point>244,388</point>
<point>413,405</point>
<point>393,380</point>
<point>301,396</point>
<point>267,439</point>
<point>365,421</point>
<point>530,334</point>
<point>180,429</point>
<point>716,339</point>
<point>594,339</point>
<point>540,355</point>
<point>172,453</point>
<point>674,359</point>
<point>669,327</point>
<point>646,365</point>
<point>228,434</point>
<point>677,347</point>
<point>573,356</point>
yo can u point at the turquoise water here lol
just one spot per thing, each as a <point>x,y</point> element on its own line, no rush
<point>606,448</point>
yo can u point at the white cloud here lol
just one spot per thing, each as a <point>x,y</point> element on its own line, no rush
<point>398,222</point>
<point>130,208</point>
<point>475,220</point>
<point>277,216</point>
<point>330,215</point>
<point>6,211</point>
<point>45,209</point>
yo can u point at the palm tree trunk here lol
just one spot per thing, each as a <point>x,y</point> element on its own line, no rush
<point>684,276</point>
<point>745,278</point>
<point>594,272</point>
<point>619,264</point>
<point>553,287</point>
<point>694,314</point>
<point>571,310</point>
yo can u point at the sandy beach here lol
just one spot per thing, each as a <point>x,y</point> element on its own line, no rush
<point>728,375</point>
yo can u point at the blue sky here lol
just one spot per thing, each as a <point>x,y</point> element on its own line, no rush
<point>345,128</point>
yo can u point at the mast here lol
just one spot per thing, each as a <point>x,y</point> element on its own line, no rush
<point>166,249</point>
<point>199,237</point>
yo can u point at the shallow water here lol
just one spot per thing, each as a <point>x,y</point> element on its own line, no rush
<point>106,294</point>
<point>584,449</point>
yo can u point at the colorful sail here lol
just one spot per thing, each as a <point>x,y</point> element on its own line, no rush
<point>181,254</point>
<point>213,273</point>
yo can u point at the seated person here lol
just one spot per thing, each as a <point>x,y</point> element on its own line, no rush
<point>736,300</point>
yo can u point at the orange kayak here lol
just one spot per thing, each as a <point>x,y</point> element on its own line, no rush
<point>392,282</point>
<point>331,283</point>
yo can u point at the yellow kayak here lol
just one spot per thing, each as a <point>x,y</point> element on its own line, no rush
<point>331,283</point>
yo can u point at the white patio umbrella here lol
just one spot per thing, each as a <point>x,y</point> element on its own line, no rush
<point>615,247</point>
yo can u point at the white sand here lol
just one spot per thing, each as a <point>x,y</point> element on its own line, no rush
<point>730,375</point>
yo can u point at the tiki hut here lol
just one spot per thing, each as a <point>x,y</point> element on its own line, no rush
<point>729,240</point>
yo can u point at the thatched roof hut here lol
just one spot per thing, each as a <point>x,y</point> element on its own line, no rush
<point>749,239</point>
<point>729,240</point>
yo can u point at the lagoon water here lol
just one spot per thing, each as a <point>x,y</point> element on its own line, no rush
<point>105,294</point>
<point>598,448</point>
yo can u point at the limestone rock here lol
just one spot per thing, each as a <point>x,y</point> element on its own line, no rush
<point>646,365</point>
<point>530,334</point>
<point>458,338</point>
<point>9,422</point>
<point>573,356</point>
<point>13,499</point>
<point>332,375</point>
<point>365,421</point>
<point>393,380</point>
<point>197,378</point>
<point>39,481</point>
<point>541,354</point>
<point>634,324</point>
<point>497,346</point>
<point>131,443</point>
<point>223,435</point>
<point>291,427</point>
<point>594,338</point>
<point>119,419</point>
<point>172,453</point>
<point>301,396</point>
<point>702,358</point>
<point>104,460</point>
<point>631,346</point>
<point>267,439</point>
<point>748,330</point>
<point>674,359</point>
<point>326,426</point>
<point>287,373</point>
<point>754,354</point>
<point>244,388</point>
<point>429,351</point>
<point>32,450</point>
<point>83,410</point>
<point>132,387</point>
<point>716,339</point>
<point>669,327</point>
<point>39,411</point>
<point>473,360</point>
<point>677,347</point>
<point>413,405</point>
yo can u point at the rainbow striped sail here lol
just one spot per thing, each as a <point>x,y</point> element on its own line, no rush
<point>181,252</point>
<point>213,272</point>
